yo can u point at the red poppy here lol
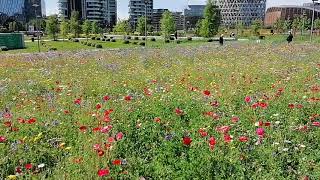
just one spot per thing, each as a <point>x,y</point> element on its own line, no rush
<point>235,119</point>
<point>28,166</point>
<point>215,104</point>
<point>21,120</point>
<point>111,139</point>
<point>299,106</point>
<point>18,170</point>
<point>243,139</point>
<point>206,92</point>
<point>227,138</point>
<point>291,106</point>
<point>147,92</point>
<point>203,133</point>
<point>212,142</point>
<point>7,124</point>
<point>106,98</point>
<point>263,105</point>
<point>97,129</point>
<point>116,162</point>
<point>128,98</point>
<point>157,120</point>
<point>100,152</point>
<point>31,120</point>
<point>103,172</point>
<point>66,112</point>
<point>267,124</point>
<point>316,124</point>
<point>119,136</point>
<point>77,101</point>
<point>179,112</point>
<point>98,106</point>
<point>96,147</point>
<point>223,129</point>
<point>3,139</point>
<point>83,128</point>
<point>187,141</point>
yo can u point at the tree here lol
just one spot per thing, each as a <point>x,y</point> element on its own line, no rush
<point>256,27</point>
<point>141,25</point>
<point>278,25</point>
<point>240,27</point>
<point>211,22</point>
<point>198,27</point>
<point>52,26</point>
<point>317,25</point>
<point>64,28</point>
<point>296,24</point>
<point>287,24</point>
<point>167,24</point>
<point>95,28</point>
<point>75,24</point>
<point>86,27</point>
<point>12,26</point>
<point>122,27</point>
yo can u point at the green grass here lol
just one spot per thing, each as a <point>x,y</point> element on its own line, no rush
<point>54,113</point>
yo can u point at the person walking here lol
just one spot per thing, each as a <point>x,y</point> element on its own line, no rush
<point>176,35</point>
<point>221,40</point>
<point>290,37</point>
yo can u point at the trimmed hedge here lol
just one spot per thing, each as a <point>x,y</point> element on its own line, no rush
<point>99,46</point>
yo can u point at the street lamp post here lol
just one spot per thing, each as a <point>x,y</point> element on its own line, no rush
<point>145,31</point>
<point>184,21</point>
<point>237,10</point>
<point>312,23</point>
<point>37,24</point>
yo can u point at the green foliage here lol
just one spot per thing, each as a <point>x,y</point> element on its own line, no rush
<point>64,28</point>
<point>141,25</point>
<point>12,26</point>
<point>52,26</point>
<point>122,27</point>
<point>167,24</point>
<point>75,27</point>
<point>95,28</point>
<point>278,25</point>
<point>287,25</point>
<point>86,28</point>
<point>256,27</point>
<point>211,22</point>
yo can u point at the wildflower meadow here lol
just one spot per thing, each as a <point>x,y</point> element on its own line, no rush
<point>242,111</point>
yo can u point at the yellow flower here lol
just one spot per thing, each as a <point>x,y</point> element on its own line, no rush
<point>12,177</point>
<point>68,148</point>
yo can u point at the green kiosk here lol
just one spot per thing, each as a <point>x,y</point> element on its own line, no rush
<point>12,40</point>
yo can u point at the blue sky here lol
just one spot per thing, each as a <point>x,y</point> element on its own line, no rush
<point>174,5</point>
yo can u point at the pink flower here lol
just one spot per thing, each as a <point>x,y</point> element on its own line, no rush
<point>106,129</point>
<point>243,139</point>
<point>103,172</point>
<point>77,101</point>
<point>3,139</point>
<point>212,142</point>
<point>260,132</point>
<point>235,119</point>
<point>248,99</point>
<point>96,147</point>
<point>179,112</point>
<point>223,129</point>
<point>28,166</point>
<point>119,136</point>
<point>227,138</point>
<point>316,124</point>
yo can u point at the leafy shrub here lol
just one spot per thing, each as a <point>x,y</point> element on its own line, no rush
<point>93,38</point>
<point>142,43</point>
<point>98,39</point>
<point>111,37</point>
<point>135,43</point>
<point>126,42</point>
<point>89,44</point>
<point>32,39</point>
<point>99,46</point>
<point>167,41</point>
<point>172,38</point>
<point>103,39</point>
<point>143,38</point>
<point>210,40</point>
<point>129,37</point>
<point>93,45</point>
<point>85,43</point>
<point>153,39</point>
<point>108,40</point>
<point>178,41</point>
<point>189,38</point>
<point>76,40</point>
<point>113,40</point>
<point>53,49</point>
<point>4,48</point>
<point>136,38</point>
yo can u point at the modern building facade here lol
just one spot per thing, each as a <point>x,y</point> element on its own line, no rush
<point>156,18</point>
<point>193,14</point>
<point>137,9</point>
<point>290,12</point>
<point>21,10</point>
<point>179,20</point>
<point>103,11</point>
<point>241,11</point>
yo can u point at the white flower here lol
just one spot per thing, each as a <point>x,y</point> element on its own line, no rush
<point>285,149</point>
<point>277,122</point>
<point>41,165</point>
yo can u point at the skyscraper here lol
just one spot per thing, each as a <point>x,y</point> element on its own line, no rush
<point>241,11</point>
<point>103,11</point>
<point>137,9</point>
<point>21,10</point>
<point>193,14</point>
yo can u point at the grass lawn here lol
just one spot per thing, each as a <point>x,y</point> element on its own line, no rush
<point>241,111</point>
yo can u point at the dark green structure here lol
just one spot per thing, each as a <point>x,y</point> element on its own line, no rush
<point>12,40</point>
